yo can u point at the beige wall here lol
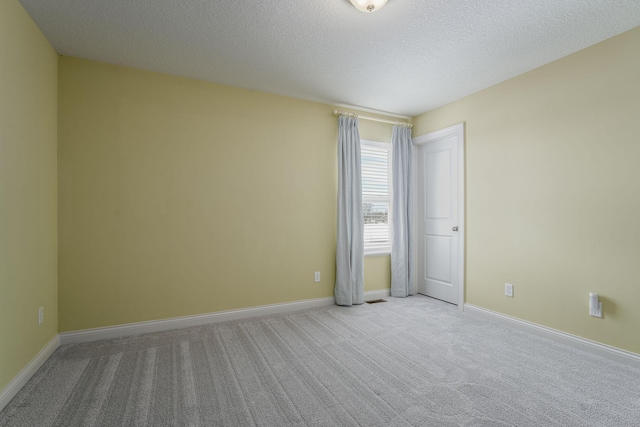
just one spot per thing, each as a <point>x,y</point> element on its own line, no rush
<point>28,245</point>
<point>179,197</point>
<point>553,191</point>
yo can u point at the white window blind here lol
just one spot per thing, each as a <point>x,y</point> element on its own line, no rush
<point>376,196</point>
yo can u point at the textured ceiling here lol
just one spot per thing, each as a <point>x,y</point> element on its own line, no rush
<point>408,58</point>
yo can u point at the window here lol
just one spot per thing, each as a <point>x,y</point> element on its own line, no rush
<point>376,196</point>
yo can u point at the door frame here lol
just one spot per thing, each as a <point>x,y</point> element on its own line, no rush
<point>458,131</point>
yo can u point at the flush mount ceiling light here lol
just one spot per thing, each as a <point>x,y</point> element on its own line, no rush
<point>368,5</point>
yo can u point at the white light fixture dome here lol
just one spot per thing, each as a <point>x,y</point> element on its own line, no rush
<point>368,5</point>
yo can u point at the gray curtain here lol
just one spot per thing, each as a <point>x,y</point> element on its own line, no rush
<point>402,245</point>
<point>349,288</point>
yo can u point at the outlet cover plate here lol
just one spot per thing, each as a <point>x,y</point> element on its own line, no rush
<point>596,311</point>
<point>508,290</point>
<point>317,276</point>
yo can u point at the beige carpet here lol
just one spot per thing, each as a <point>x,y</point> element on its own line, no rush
<point>406,362</point>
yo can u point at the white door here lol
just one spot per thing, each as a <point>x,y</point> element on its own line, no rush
<point>440,267</point>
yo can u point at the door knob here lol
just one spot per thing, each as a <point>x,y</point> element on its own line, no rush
<point>455,228</point>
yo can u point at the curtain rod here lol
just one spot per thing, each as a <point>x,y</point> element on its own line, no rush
<point>349,114</point>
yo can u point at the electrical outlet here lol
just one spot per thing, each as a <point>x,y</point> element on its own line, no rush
<point>40,315</point>
<point>508,290</point>
<point>596,311</point>
<point>595,306</point>
<point>317,276</point>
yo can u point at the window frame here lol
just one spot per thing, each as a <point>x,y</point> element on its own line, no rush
<point>386,250</point>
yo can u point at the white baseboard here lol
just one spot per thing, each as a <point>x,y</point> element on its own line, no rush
<point>593,347</point>
<point>23,376</point>
<point>379,294</point>
<point>88,335</point>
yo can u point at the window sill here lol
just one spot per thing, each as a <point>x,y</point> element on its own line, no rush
<point>377,253</point>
